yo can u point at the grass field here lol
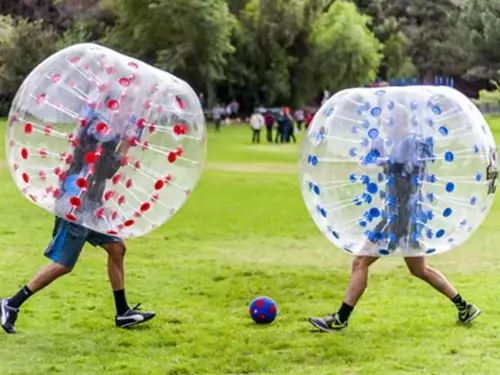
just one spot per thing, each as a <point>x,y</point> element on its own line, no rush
<point>244,233</point>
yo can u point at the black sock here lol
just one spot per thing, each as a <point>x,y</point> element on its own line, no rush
<point>21,297</point>
<point>344,312</point>
<point>459,302</point>
<point>121,302</point>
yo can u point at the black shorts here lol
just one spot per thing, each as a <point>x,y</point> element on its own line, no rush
<point>68,240</point>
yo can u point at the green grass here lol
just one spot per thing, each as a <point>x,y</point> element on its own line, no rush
<point>244,233</point>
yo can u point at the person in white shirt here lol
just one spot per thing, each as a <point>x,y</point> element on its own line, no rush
<point>300,117</point>
<point>256,123</point>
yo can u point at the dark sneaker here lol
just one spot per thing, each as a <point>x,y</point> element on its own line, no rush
<point>329,324</point>
<point>467,315</point>
<point>8,316</point>
<point>133,317</point>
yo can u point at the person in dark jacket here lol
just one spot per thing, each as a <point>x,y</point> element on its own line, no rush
<point>269,123</point>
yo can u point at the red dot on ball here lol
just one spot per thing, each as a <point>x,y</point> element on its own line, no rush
<point>108,195</point>
<point>47,129</point>
<point>124,161</point>
<point>172,157</point>
<point>24,154</point>
<point>90,157</point>
<point>112,232</point>
<point>42,175</point>
<point>28,128</point>
<point>141,122</point>
<point>145,206</point>
<point>259,303</point>
<point>74,59</point>
<point>100,213</point>
<point>114,215</point>
<point>102,128</point>
<point>69,159</point>
<point>40,99</point>
<point>129,223</point>
<point>159,185</point>
<point>56,193</point>
<point>125,82</point>
<point>121,200</point>
<point>178,129</point>
<point>272,309</point>
<point>75,201</point>
<point>113,105</point>
<point>133,65</point>
<point>128,184</point>
<point>56,78</point>
<point>82,183</point>
<point>71,217</point>
<point>43,153</point>
<point>116,178</point>
<point>25,177</point>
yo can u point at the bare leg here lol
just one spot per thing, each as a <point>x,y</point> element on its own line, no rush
<point>116,257</point>
<point>419,268</point>
<point>359,279</point>
<point>46,276</point>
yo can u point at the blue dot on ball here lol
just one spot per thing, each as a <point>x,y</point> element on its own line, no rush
<point>436,110</point>
<point>330,112</point>
<point>447,212</point>
<point>353,177</point>
<point>314,160</point>
<point>362,224</point>
<point>372,188</point>
<point>376,111</point>
<point>316,189</point>
<point>353,151</point>
<point>375,212</point>
<point>450,186</point>
<point>373,133</point>
<point>384,252</point>
<point>430,251</point>
<point>476,149</point>
<point>473,201</point>
<point>440,233</point>
<point>354,130</point>
<point>429,234</point>
<point>448,156</point>
<point>443,131</point>
<point>478,177</point>
<point>365,124</point>
<point>322,211</point>
<point>263,310</point>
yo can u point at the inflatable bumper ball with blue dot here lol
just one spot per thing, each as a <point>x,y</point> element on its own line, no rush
<point>263,310</point>
<point>410,170</point>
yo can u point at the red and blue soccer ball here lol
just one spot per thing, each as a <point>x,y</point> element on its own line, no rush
<point>263,310</point>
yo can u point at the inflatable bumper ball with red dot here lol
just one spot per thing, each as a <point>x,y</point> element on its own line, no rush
<point>263,310</point>
<point>106,141</point>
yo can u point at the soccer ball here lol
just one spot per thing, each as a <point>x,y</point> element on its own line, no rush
<point>263,310</point>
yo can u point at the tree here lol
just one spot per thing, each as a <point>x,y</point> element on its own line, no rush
<point>346,53</point>
<point>190,38</point>
<point>259,71</point>
<point>435,37</point>
<point>481,20</point>
<point>23,45</point>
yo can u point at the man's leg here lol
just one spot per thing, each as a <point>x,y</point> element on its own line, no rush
<point>357,286</point>
<point>419,268</point>
<point>64,251</point>
<point>116,249</point>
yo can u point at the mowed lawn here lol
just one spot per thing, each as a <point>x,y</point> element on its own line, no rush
<point>244,233</point>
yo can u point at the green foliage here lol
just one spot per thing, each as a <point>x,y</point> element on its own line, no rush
<point>481,19</point>
<point>346,52</point>
<point>23,45</point>
<point>190,38</point>
<point>435,37</point>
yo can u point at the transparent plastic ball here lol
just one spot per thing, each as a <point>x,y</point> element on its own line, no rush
<point>106,141</point>
<point>398,170</point>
